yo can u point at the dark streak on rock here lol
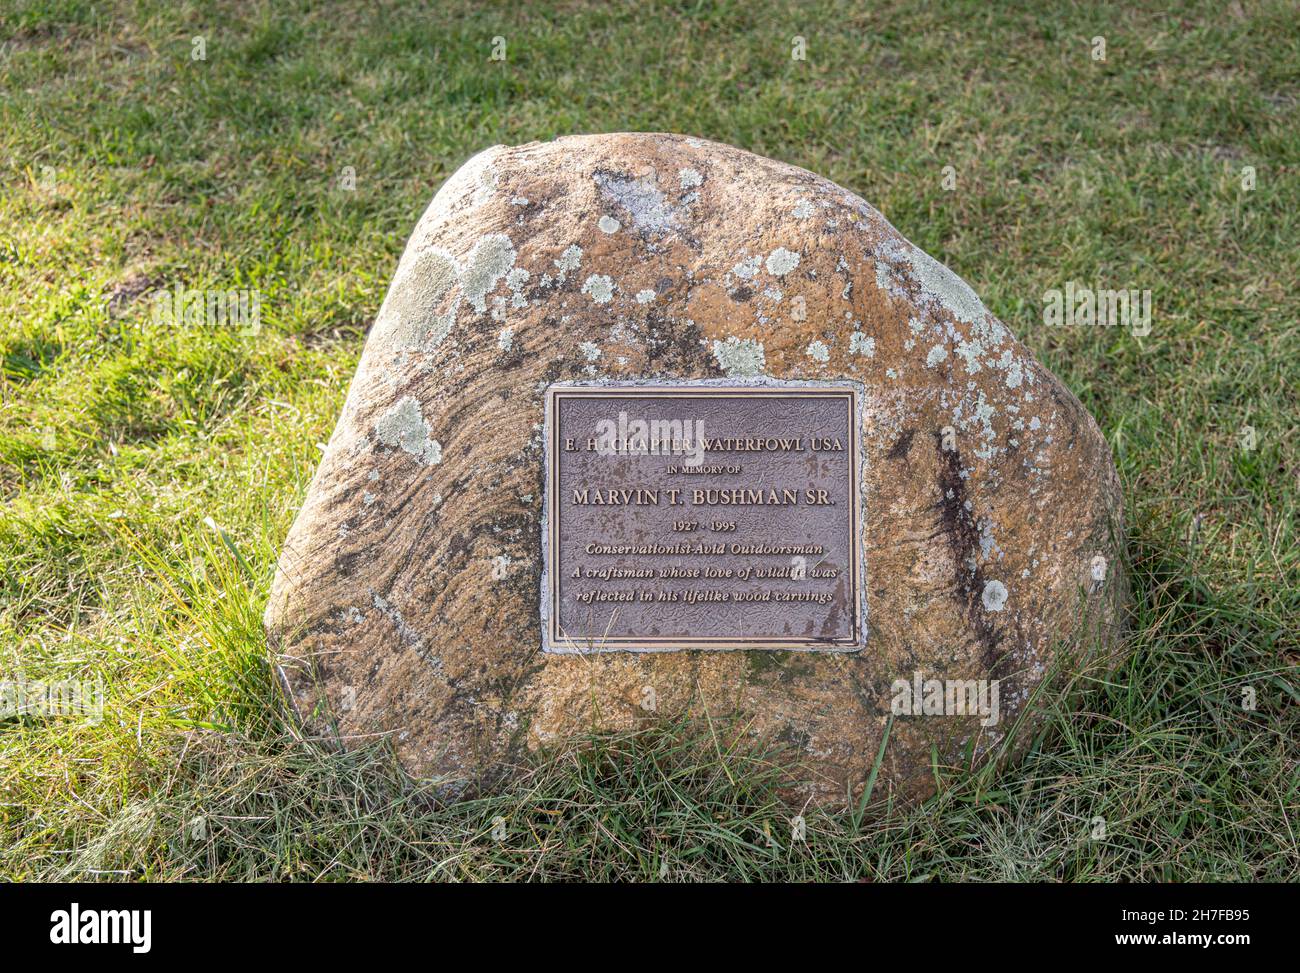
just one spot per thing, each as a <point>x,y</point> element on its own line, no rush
<point>958,526</point>
<point>901,447</point>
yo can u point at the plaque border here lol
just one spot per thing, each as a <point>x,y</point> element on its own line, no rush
<point>555,642</point>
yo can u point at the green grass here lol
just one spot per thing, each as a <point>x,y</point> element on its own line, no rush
<point>118,437</point>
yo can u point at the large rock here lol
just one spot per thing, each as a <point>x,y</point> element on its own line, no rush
<point>407,601</point>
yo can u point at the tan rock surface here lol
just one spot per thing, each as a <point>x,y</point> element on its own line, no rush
<point>407,597</point>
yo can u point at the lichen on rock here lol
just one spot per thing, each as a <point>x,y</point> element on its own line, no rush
<point>404,428</point>
<point>491,260</point>
<point>739,357</point>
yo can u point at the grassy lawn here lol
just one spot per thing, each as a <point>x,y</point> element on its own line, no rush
<point>148,472</point>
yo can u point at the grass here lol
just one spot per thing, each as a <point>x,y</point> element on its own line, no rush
<point>129,165</point>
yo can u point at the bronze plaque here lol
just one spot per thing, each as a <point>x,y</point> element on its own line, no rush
<point>702,516</point>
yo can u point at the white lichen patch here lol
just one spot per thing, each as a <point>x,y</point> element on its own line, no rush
<point>490,260</point>
<point>994,596</point>
<point>969,352</point>
<point>748,267</point>
<point>804,209</point>
<point>781,261</point>
<point>645,204</point>
<point>608,224</point>
<point>485,184</point>
<point>689,178</point>
<point>568,261</point>
<point>939,283</point>
<point>889,280</point>
<point>645,296</point>
<point>888,277</point>
<point>599,287</point>
<point>406,321</point>
<point>862,344</point>
<point>983,414</point>
<point>988,543</point>
<point>506,339</point>
<point>623,333</point>
<point>1015,375</point>
<point>818,351</point>
<point>590,350</point>
<point>937,354</point>
<point>740,357</point>
<point>403,427</point>
<point>516,280</point>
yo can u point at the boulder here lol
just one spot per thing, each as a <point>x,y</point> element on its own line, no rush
<point>407,600</point>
